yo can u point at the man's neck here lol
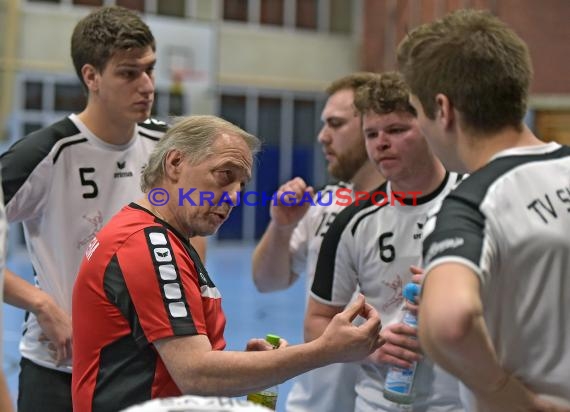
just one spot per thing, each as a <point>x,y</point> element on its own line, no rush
<point>477,151</point>
<point>367,178</point>
<point>109,129</point>
<point>163,213</point>
<point>425,181</point>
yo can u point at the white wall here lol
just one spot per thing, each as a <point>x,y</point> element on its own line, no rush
<point>283,59</point>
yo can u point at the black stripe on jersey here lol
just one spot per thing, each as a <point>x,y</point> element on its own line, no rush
<point>125,376</point>
<point>168,276</point>
<point>116,291</point>
<point>154,138</point>
<point>203,277</point>
<point>154,125</point>
<point>67,144</point>
<point>20,160</point>
<point>460,223</point>
<point>330,187</point>
<point>130,359</point>
<point>430,196</point>
<point>324,271</point>
<point>383,188</point>
<point>152,129</point>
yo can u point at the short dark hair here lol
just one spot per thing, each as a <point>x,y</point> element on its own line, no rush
<point>474,59</point>
<point>104,32</point>
<point>384,93</point>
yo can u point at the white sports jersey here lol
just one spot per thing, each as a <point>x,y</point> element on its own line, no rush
<point>510,223</point>
<point>309,232</point>
<point>65,183</point>
<point>330,388</point>
<point>191,403</point>
<point>371,247</point>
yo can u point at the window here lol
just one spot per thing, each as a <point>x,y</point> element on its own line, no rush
<point>206,10</point>
<point>175,8</point>
<point>287,125</point>
<point>233,109</point>
<point>306,14</point>
<point>33,92</point>
<point>322,15</point>
<point>305,127</point>
<point>138,5</point>
<point>272,12</point>
<point>69,97</point>
<point>269,120</point>
<point>340,16</point>
<point>235,10</point>
<point>88,2</point>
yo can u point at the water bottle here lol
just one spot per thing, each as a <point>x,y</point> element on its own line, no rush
<point>399,384</point>
<point>267,397</point>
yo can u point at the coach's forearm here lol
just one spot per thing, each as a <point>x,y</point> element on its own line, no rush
<point>233,373</point>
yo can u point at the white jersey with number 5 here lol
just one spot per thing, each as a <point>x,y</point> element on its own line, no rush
<point>64,184</point>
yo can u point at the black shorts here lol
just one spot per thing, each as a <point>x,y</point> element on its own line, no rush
<point>43,389</point>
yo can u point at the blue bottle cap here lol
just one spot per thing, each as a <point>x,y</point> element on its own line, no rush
<point>411,290</point>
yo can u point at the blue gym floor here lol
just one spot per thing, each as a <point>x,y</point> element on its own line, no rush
<point>249,313</point>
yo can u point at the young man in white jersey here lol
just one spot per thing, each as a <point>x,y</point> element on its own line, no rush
<point>292,240</point>
<point>495,309</point>
<point>66,180</point>
<point>371,247</point>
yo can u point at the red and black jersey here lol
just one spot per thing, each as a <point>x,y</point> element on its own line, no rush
<point>140,281</point>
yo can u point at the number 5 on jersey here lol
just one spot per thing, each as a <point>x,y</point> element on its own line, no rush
<point>93,190</point>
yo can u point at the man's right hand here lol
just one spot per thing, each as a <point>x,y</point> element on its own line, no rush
<point>53,320</point>
<point>56,329</point>
<point>287,211</point>
<point>347,342</point>
<point>401,347</point>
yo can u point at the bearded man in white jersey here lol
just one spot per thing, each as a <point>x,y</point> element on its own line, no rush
<point>65,181</point>
<point>371,247</point>
<point>292,240</point>
<point>495,309</point>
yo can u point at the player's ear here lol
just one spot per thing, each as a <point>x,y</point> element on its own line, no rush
<point>90,76</point>
<point>173,164</point>
<point>444,111</point>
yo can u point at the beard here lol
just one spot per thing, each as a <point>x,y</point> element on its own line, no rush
<point>346,165</point>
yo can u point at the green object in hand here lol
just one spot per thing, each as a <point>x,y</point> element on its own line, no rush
<point>267,397</point>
